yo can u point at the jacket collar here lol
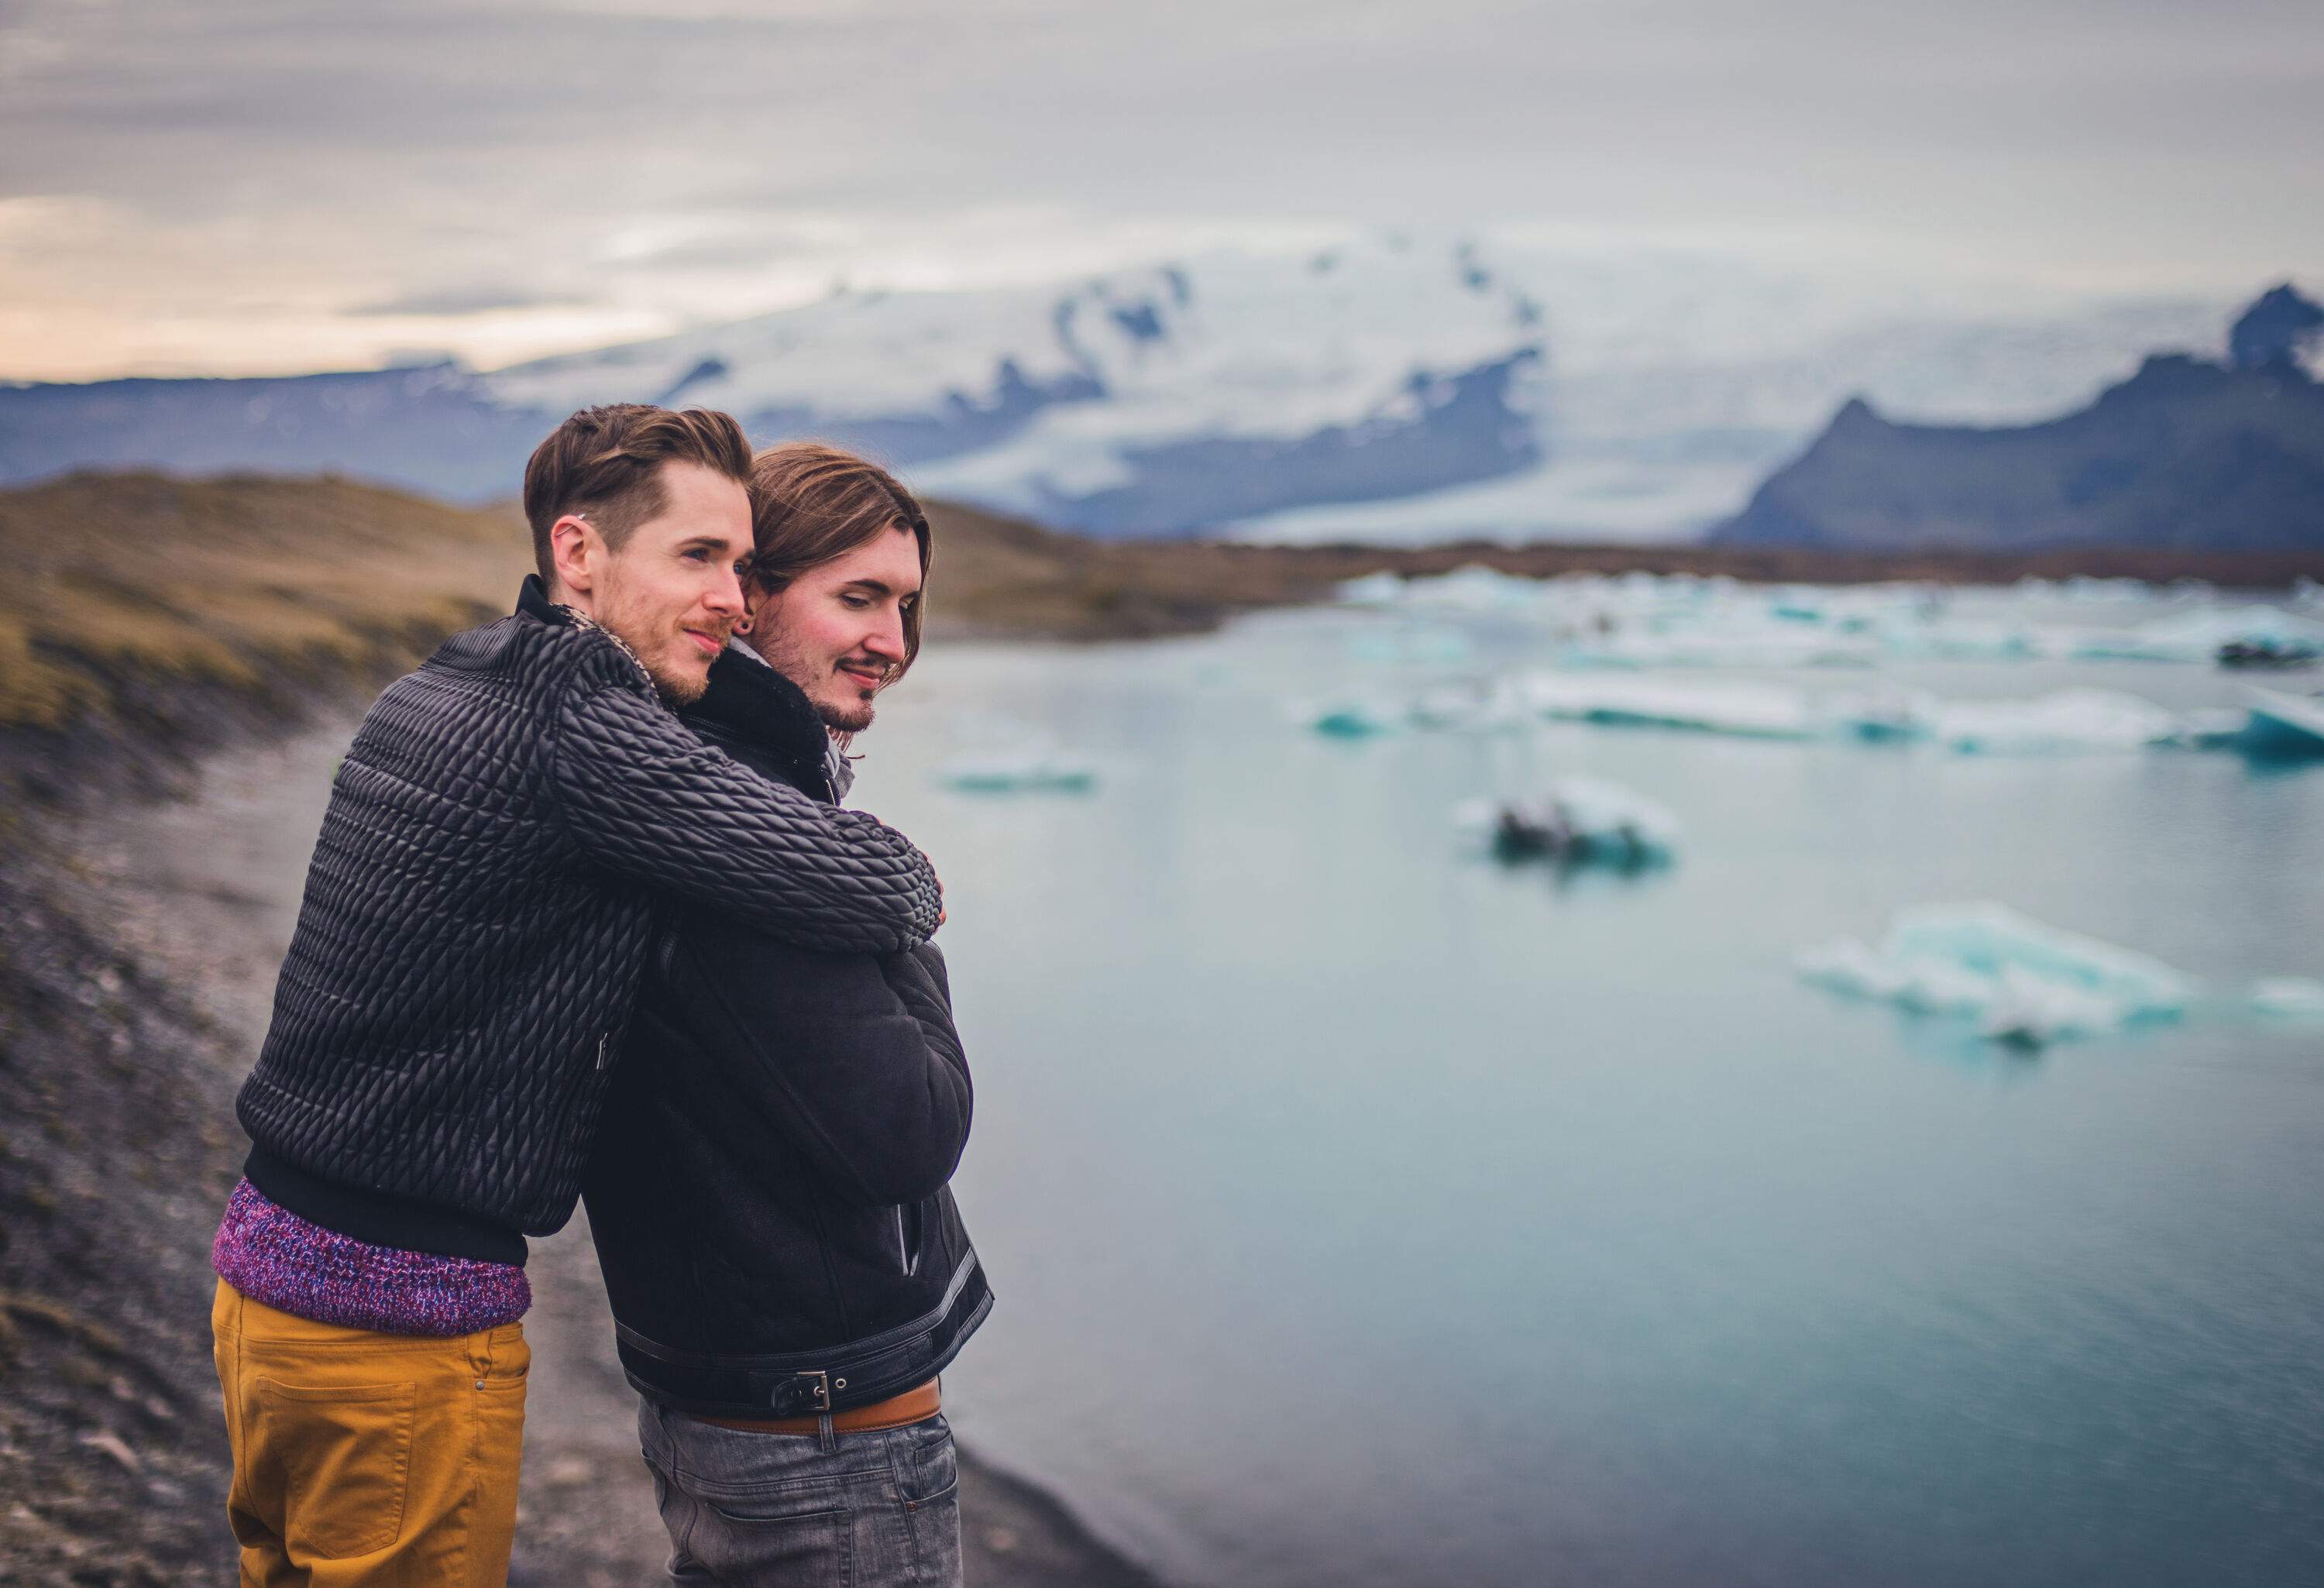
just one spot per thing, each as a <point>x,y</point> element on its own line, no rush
<point>749,700</point>
<point>532,601</point>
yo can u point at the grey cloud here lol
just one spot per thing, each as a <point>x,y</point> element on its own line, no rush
<point>482,297</point>
<point>518,132</point>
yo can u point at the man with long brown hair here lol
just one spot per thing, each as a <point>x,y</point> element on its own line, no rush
<point>509,824</point>
<point>788,1271</point>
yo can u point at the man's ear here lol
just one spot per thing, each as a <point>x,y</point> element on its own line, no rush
<point>578,552</point>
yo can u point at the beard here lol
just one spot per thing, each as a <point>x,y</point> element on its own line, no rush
<point>652,638</point>
<point>844,719</point>
<point>675,689</point>
<point>849,715</point>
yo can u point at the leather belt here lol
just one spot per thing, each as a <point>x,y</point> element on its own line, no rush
<point>915,1405</point>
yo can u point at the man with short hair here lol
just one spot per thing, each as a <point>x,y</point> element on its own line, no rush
<point>501,836</point>
<point>788,1271</point>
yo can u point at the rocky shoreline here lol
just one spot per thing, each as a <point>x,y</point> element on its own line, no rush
<point>135,971</point>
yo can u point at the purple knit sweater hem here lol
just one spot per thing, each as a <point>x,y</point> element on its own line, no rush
<point>293,1265</point>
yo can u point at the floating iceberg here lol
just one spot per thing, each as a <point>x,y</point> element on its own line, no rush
<point>2297,998</point>
<point>1716,645</point>
<point>1379,589</point>
<point>1495,708</point>
<point>2284,727</point>
<point>1036,769</point>
<point>1966,639</point>
<point>1474,587</point>
<point>1579,820</point>
<point>2069,721</point>
<point>1353,720</point>
<point>2017,979</point>
<point>1883,717</point>
<point>2091,591</point>
<point>2199,636</point>
<point>1758,711</point>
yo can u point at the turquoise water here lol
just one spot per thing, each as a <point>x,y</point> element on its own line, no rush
<point>1363,1212</point>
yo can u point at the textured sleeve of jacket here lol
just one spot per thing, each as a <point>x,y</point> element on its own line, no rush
<point>647,799</point>
<point>851,1060</point>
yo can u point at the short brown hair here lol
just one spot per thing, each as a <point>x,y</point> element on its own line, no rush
<point>811,501</point>
<point>606,462</point>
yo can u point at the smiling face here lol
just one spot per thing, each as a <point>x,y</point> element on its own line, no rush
<point>837,629</point>
<point>672,589</point>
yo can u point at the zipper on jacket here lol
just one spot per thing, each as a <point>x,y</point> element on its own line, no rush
<point>903,1248</point>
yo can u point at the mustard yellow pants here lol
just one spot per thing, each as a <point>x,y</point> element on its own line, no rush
<point>388,1460</point>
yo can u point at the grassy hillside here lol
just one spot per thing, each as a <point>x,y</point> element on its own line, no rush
<point>121,582</point>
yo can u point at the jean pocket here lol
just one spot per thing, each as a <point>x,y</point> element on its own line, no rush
<point>928,1468</point>
<point>338,1459</point>
<point>774,1537</point>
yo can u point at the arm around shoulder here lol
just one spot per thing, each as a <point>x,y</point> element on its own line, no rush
<point>647,800</point>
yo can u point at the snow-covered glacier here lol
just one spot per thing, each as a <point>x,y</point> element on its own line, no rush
<point>1154,401</point>
<point>1389,386</point>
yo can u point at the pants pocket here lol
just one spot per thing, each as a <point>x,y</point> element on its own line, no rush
<point>341,1456</point>
<point>751,1540</point>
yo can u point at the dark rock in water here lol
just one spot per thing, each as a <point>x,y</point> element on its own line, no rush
<point>2267,654</point>
<point>2186,454</point>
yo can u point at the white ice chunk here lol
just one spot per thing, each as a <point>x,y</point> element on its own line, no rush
<point>1379,589</point>
<point>1353,719</point>
<point>1496,708</point>
<point>2021,980</point>
<point>2197,636</point>
<point>1724,644</point>
<point>2283,726</point>
<point>2031,1011</point>
<point>1032,769</point>
<point>1760,711</point>
<point>1472,587</point>
<point>2069,721</point>
<point>2097,592</point>
<point>1883,715</point>
<point>2298,998</point>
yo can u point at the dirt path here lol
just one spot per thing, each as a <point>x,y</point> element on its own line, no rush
<point>209,890</point>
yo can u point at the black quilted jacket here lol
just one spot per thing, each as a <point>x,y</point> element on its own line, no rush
<point>768,1193</point>
<point>481,900</point>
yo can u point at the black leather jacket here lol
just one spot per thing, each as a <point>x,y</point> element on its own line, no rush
<point>768,1192</point>
<point>479,907</point>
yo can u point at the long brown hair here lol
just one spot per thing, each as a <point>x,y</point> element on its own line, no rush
<point>811,501</point>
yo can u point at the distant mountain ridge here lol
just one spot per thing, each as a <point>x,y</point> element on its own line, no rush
<point>2187,454</point>
<point>1384,387</point>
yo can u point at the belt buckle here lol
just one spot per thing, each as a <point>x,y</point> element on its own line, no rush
<point>820,1389</point>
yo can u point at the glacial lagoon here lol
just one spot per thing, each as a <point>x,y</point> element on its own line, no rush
<point>1366,1213</point>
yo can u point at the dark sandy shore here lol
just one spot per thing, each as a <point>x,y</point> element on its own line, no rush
<point>111,1469</point>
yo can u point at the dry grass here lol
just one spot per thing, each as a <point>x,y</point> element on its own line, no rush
<point>120,581</point>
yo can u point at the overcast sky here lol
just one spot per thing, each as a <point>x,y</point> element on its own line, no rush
<point>244,185</point>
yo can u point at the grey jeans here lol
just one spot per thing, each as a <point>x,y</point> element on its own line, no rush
<point>868,1509</point>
